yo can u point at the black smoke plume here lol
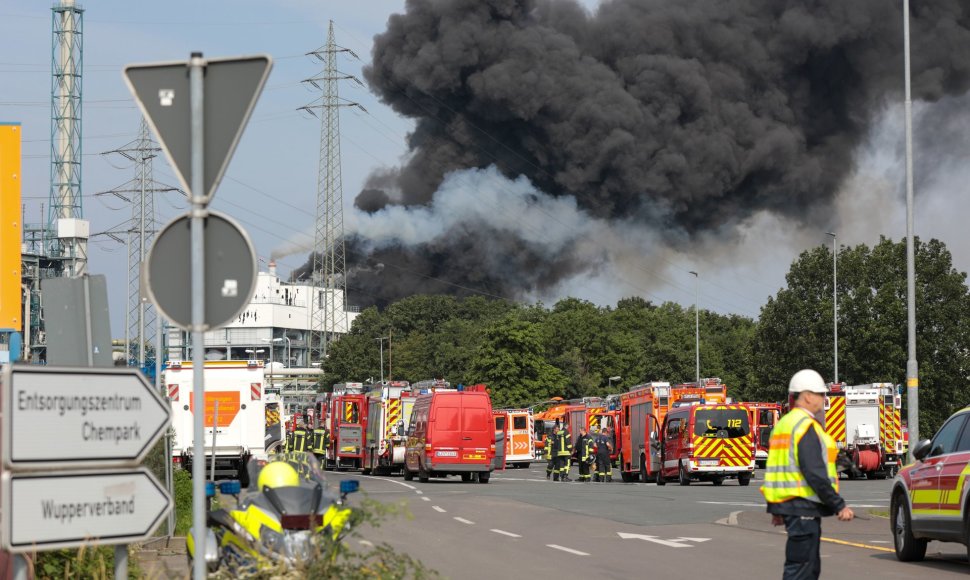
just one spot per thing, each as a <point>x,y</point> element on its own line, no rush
<point>685,116</point>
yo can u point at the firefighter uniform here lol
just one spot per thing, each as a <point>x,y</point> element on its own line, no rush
<point>584,451</point>
<point>549,456</point>
<point>564,449</point>
<point>321,440</point>
<point>300,440</point>
<point>604,466</point>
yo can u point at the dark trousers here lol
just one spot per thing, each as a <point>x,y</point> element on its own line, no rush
<point>604,467</point>
<point>583,471</point>
<point>802,558</point>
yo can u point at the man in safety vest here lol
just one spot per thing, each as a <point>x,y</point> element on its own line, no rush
<point>300,439</point>
<point>549,452</point>
<point>564,449</point>
<point>321,440</point>
<point>801,482</point>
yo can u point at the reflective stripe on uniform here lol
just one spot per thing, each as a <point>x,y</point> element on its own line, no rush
<point>783,478</point>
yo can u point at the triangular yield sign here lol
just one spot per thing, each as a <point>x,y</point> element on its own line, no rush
<point>231,89</point>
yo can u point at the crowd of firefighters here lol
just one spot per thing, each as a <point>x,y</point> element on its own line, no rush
<point>591,451</point>
<point>304,438</point>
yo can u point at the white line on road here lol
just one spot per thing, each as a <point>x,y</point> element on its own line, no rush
<point>439,509</point>
<point>426,498</point>
<point>565,549</point>
<point>419,492</point>
<point>367,543</point>
<point>407,485</point>
<point>504,533</point>
<point>733,503</point>
<point>464,521</point>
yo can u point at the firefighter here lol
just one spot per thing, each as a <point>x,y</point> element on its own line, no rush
<point>321,440</point>
<point>300,437</point>
<point>584,453</point>
<point>564,449</point>
<point>549,452</point>
<point>801,482</point>
<point>604,466</point>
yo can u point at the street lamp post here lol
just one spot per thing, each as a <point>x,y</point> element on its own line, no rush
<point>381,339</point>
<point>835,304</point>
<point>287,339</point>
<point>697,331</point>
<point>912,368</point>
<point>611,379</point>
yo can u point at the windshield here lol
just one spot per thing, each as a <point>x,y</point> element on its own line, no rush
<point>721,423</point>
<point>305,464</point>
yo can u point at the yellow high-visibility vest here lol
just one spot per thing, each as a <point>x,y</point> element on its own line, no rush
<point>783,478</point>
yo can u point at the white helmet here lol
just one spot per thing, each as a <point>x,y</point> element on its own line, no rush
<point>807,380</point>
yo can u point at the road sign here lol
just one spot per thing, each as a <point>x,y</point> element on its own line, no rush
<point>60,417</point>
<point>47,511</point>
<point>230,271</point>
<point>232,87</point>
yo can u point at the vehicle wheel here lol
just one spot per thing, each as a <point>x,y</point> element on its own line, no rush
<point>626,476</point>
<point>908,548</point>
<point>408,474</point>
<point>683,476</point>
<point>744,479</point>
<point>644,476</point>
<point>466,477</point>
<point>484,476</point>
<point>661,480</point>
<point>422,475</point>
<point>718,481</point>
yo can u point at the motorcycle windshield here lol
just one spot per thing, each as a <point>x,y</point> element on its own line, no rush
<point>305,464</point>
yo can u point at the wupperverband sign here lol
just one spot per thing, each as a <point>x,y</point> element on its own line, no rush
<point>69,417</point>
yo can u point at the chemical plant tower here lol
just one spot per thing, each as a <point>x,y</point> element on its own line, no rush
<point>328,309</point>
<point>67,231</point>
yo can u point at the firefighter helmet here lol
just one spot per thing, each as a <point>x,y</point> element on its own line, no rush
<point>807,380</point>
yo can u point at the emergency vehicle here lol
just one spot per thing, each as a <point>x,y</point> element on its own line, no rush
<point>451,433</point>
<point>763,419</point>
<point>872,440</point>
<point>346,422</point>
<point>518,429</point>
<point>638,436</point>
<point>389,406</point>
<point>238,422</point>
<point>707,443</point>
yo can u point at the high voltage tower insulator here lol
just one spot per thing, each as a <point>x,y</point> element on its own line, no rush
<point>328,314</point>
<point>137,234</point>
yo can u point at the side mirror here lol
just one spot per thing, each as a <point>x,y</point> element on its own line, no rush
<point>922,449</point>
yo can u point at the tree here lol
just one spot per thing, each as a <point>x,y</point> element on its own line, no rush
<point>795,329</point>
<point>511,362</point>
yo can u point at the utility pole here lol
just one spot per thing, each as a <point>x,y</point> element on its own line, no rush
<point>328,313</point>
<point>835,303</point>
<point>912,368</point>
<point>697,330</point>
<point>382,339</point>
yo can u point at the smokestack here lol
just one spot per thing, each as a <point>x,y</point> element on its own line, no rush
<point>272,268</point>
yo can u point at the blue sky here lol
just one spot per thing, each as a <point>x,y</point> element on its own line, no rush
<point>270,185</point>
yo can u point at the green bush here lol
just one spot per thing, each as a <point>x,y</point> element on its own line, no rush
<point>95,562</point>
<point>182,492</point>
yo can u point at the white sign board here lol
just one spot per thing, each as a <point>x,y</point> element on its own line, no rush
<point>47,511</point>
<point>62,417</point>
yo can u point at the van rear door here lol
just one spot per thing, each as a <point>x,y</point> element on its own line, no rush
<point>722,437</point>
<point>477,429</point>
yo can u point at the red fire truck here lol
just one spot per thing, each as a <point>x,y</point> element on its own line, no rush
<point>638,436</point>
<point>763,419</point>
<point>346,422</point>
<point>389,406</point>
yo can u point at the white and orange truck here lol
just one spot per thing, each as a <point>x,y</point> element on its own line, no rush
<point>235,415</point>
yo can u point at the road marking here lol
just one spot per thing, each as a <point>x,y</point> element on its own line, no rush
<point>856,545</point>
<point>464,521</point>
<point>419,492</point>
<point>731,520</point>
<point>742,504</point>
<point>671,543</point>
<point>426,498</point>
<point>504,533</point>
<point>407,485</point>
<point>439,509</point>
<point>565,549</point>
<point>879,541</point>
<point>367,543</point>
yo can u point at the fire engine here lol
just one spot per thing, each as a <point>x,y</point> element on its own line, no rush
<point>763,419</point>
<point>518,428</point>
<point>871,442</point>
<point>706,442</point>
<point>638,436</point>
<point>346,422</point>
<point>389,406</point>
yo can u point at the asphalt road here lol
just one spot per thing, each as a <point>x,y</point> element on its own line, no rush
<point>522,526</point>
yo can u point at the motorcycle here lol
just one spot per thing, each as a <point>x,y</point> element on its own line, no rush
<point>274,525</point>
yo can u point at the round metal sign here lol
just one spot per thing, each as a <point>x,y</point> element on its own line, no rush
<point>230,271</point>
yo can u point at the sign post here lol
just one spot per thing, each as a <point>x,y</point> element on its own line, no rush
<point>199,136</point>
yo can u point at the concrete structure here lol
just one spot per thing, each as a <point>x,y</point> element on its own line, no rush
<point>279,310</point>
